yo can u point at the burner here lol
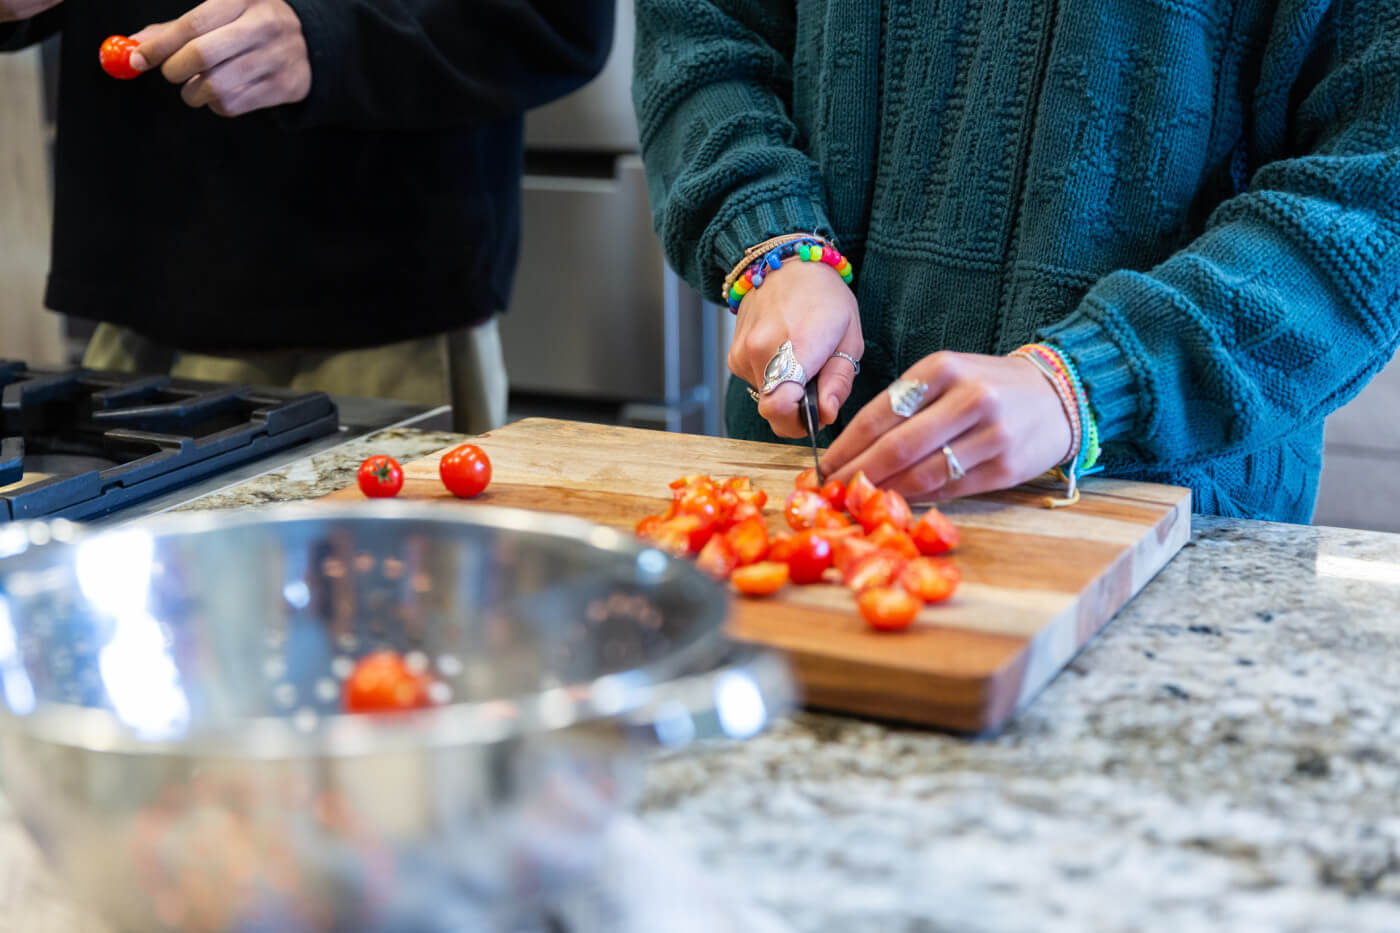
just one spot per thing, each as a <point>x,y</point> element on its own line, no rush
<point>79,444</point>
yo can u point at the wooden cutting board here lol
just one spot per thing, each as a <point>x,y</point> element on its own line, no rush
<point>1037,583</point>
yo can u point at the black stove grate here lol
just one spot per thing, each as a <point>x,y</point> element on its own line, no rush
<point>79,444</point>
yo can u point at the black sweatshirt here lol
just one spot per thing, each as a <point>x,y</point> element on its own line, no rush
<point>385,206</point>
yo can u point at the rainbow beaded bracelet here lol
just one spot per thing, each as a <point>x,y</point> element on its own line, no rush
<point>1084,447</point>
<point>809,249</point>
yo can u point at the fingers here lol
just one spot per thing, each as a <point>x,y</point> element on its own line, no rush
<point>162,40</point>
<point>915,439</point>
<point>209,52</point>
<point>838,377</point>
<point>978,453</point>
<point>220,87</point>
<point>877,418</point>
<point>781,407</point>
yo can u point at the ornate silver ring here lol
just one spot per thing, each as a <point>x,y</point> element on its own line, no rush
<point>907,396</point>
<point>783,367</point>
<point>955,470</point>
<point>753,395</point>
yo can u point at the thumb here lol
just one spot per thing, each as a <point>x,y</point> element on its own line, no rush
<point>159,41</point>
<point>837,378</point>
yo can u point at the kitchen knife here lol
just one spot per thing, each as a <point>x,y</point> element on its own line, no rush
<point>810,418</point>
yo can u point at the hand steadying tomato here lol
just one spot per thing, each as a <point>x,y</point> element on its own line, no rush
<point>380,477</point>
<point>383,682</point>
<point>465,471</point>
<point>115,57</point>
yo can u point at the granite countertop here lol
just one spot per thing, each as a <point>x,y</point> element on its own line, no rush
<point>1224,756</point>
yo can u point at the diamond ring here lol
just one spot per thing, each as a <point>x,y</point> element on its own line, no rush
<point>955,470</point>
<point>907,396</point>
<point>783,367</point>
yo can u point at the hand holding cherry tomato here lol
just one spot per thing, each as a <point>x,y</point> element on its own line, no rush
<point>380,477</point>
<point>115,57</point>
<point>465,471</point>
<point>232,56</point>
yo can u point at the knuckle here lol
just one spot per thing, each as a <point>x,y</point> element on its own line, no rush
<point>986,399</point>
<point>943,365</point>
<point>999,435</point>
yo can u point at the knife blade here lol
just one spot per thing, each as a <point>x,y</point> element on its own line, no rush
<point>810,418</point>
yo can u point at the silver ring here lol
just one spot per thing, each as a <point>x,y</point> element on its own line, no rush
<point>955,470</point>
<point>783,367</point>
<point>752,394</point>
<point>851,359</point>
<point>906,396</point>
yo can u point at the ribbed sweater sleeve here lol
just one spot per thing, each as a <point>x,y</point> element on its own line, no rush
<point>1289,300</point>
<point>725,167</point>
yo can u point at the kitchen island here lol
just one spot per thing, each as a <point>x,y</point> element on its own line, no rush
<point>1224,756</point>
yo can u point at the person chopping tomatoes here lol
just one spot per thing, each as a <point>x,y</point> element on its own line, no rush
<point>323,194</point>
<point>1159,239</point>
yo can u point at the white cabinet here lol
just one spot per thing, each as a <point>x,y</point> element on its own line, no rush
<point>1360,486</point>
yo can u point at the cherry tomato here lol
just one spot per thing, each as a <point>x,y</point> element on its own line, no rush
<point>647,526</point>
<point>465,471</point>
<point>748,540</point>
<point>934,534</point>
<point>879,568</point>
<point>685,534</point>
<point>743,487</point>
<point>115,57</point>
<point>927,579</point>
<point>743,512</point>
<point>888,608</point>
<point>858,490</point>
<point>761,579</point>
<point>891,538</point>
<point>693,479</point>
<point>807,479</point>
<point>830,520</point>
<point>835,494</point>
<point>807,555</point>
<point>850,548</point>
<point>884,506</point>
<point>699,500</point>
<point>382,683</point>
<point>717,558</point>
<point>380,477</point>
<point>801,509</point>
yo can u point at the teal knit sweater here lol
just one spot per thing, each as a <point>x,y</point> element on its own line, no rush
<point>1198,200</point>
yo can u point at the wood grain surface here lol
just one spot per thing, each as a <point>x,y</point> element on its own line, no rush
<point>1037,583</point>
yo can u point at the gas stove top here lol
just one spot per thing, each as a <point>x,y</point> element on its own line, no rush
<point>80,445</point>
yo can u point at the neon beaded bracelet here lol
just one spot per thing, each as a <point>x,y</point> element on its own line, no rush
<point>1084,433</point>
<point>810,249</point>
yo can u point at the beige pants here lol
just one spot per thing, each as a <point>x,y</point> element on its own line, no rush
<point>464,368</point>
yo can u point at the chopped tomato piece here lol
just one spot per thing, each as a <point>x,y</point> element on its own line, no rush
<point>934,534</point>
<point>807,555</point>
<point>743,487</point>
<point>647,526</point>
<point>694,479</point>
<point>743,512</point>
<point>892,539</point>
<point>878,568</point>
<point>887,608</point>
<point>699,500</point>
<point>858,490</point>
<point>850,548</point>
<point>835,494</point>
<point>717,557</point>
<point>684,534</point>
<point>830,520</point>
<point>927,579</point>
<point>885,505</point>
<point>807,479</point>
<point>801,509</point>
<point>761,579</point>
<point>748,540</point>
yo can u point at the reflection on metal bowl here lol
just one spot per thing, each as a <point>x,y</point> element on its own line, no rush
<point>171,729</point>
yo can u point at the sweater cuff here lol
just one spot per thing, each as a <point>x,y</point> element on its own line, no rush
<point>328,37</point>
<point>754,223</point>
<point>1114,391</point>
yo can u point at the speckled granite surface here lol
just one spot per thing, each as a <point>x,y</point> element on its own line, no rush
<point>1225,756</point>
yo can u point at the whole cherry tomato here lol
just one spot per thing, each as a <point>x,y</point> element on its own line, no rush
<point>934,534</point>
<point>383,683</point>
<point>761,579</point>
<point>807,555</point>
<point>380,477</point>
<point>115,57</point>
<point>465,471</point>
<point>888,608</point>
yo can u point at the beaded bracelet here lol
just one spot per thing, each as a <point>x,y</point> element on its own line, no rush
<point>807,249</point>
<point>1068,402</point>
<point>758,251</point>
<point>1085,453</point>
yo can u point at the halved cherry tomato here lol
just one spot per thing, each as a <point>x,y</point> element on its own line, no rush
<point>801,509</point>
<point>858,490</point>
<point>848,549</point>
<point>682,535</point>
<point>647,526</point>
<point>892,539</point>
<point>383,682</point>
<point>927,579</point>
<point>699,500</point>
<point>879,568</point>
<point>888,608</point>
<point>835,494</point>
<point>465,471</point>
<point>115,57</point>
<point>693,479</point>
<point>717,558</point>
<point>743,487</point>
<point>885,505</point>
<point>761,579</point>
<point>830,520</point>
<point>807,479</point>
<point>743,512</point>
<point>934,533</point>
<point>380,477</point>
<point>748,540</point>
<point>807,555</point>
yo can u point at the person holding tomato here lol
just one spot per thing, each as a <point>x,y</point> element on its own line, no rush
<point>1158,239</point>
<point>315,193</point>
